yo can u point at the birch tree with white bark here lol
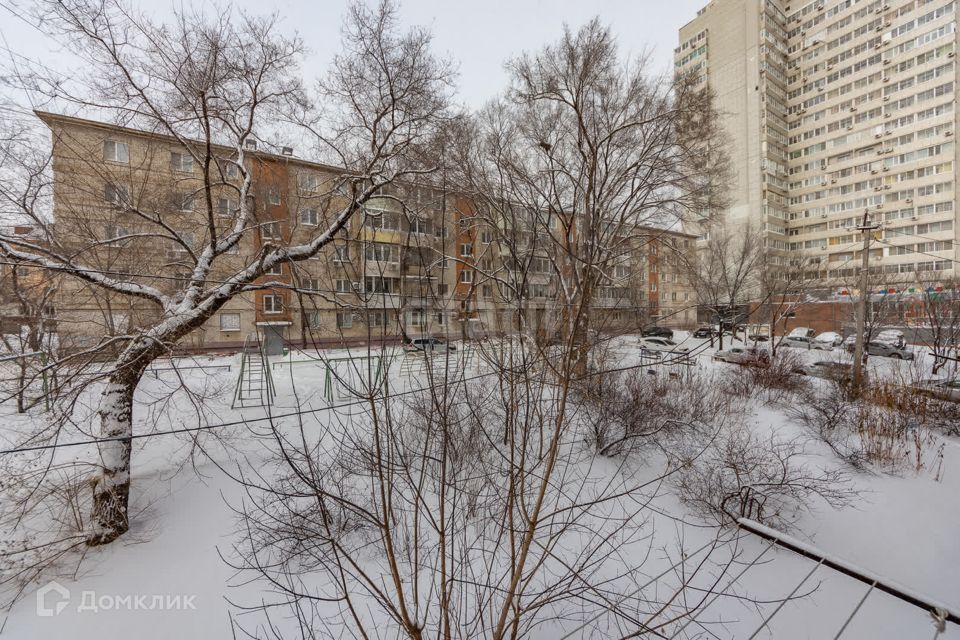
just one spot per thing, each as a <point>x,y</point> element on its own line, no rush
<point>213,85</point>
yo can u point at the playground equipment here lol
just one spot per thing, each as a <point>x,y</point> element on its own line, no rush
<point>255,383</point>
<point>347,377</point>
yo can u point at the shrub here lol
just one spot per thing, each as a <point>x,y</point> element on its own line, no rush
<point>735,473</point>
<point>627,411</point>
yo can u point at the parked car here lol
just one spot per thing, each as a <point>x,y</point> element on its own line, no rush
<point>839,371</point>
<point>758,337</point>
<point>429,344</point>
<point>662,344</point>
<point>828,338</point>
<point>797,342</point>
<point>889,350</point>
<point>657,332</point>
<point>704,332</point>
<point>944,389</point>
<point>891,336</point>
<point>744,355</point>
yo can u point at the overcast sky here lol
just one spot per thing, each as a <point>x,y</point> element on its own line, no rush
<point>478,36</point>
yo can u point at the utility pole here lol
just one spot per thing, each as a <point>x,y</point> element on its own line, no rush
<point>866,228</point>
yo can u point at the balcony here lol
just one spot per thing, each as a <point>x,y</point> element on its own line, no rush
<point>381,300</point>
<point>380,268</point>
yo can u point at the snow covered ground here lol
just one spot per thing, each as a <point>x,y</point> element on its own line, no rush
<point>905,526</point>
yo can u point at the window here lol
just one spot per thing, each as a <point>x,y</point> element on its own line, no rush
<point>114,151</point>
<point>313,319</point>
<point>229,169</point>
<point>227,206</point>
<point>116,194</point>
<point>466,249</point>
<point>273,196</point>
<point>273,304</point>
<point>341,253</point>
<point>177,249</point>
<point>381,220</point>
<point>486,236</point>
<point>344,319</point>
<point>487,291</point>
<point>312,284</point>
<point>308,216</point>
<point>466,276</point>
<point>343,286</point>
<point>440,317</point>
<point>418,225</point>
<point>183,201</point>
<point>443,289</point>
<point>376,284</point>
<point>270,231</point>
<point>418,318</point>
<point>275,270</point>
<point>182,162</point>
<point>382,252</point>
<point>377,318</point>
<point>308,183</point>
<point>114,232</point>
<point>229,322</point>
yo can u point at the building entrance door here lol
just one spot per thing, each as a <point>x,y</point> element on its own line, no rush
<point>274,338</point>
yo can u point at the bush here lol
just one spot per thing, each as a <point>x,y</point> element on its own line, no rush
<point>886,426</point>
<point>627,411</point>
<point>775,381</point>
<point>737,474</point>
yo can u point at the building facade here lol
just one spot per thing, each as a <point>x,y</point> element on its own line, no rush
<point>836,109</point>
<point>420,260</point>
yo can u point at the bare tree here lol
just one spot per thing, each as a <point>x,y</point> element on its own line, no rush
<point>937,321</point>
<point>476,507</point>
<point>588,156</point>
<point>784,288</point>
<point>725,271</point>
<point>210,86</point>
<point>29,294</point>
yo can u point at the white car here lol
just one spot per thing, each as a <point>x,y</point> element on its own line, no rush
<point>798,342</point>
<point>839,371</point>
<point>662,344</point>
<point>743,355</point>
<point>827,340</point>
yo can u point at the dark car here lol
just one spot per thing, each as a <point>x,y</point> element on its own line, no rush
<point>703,332</point>
<point>429,344</point>
<point>657,332</point>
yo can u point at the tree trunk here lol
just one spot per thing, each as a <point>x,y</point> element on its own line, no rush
<point>111,487</point>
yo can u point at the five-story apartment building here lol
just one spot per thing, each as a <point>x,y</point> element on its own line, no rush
<point>419,260</point>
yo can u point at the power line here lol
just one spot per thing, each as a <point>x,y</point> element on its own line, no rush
<point>351,403</point>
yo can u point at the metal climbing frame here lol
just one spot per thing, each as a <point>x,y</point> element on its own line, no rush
<point>255,382</point>
<point>375,375</point>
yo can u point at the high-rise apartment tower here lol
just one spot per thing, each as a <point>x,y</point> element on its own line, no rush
<point>835,108</point>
